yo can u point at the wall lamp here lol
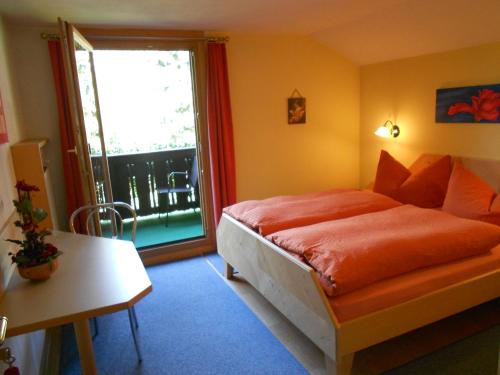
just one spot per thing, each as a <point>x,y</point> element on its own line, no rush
<point>389,129</point>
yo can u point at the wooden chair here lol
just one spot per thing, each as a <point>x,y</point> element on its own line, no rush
<point>180,182</point>
<point>88,214</point>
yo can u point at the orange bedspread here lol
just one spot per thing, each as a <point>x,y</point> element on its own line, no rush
<point>358,251</point>
<point>402,288</point>
<point>279,213</point>
<point>239,209</point>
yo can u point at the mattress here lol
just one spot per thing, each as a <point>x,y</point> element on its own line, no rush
<point>411,285</point>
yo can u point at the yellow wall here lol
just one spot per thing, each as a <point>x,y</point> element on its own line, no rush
<point>273,157</point>
<point>405,91</point>
<point>27,348</point>
<point>38,117</point>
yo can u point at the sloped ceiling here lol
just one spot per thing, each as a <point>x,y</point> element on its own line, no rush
<point>364,31</point>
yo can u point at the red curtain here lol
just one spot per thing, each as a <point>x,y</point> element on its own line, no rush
<point>74,192</point>
<point>220,130</point>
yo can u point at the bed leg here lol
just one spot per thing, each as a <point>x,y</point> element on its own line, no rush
<point>229,271</point>
<point>342,366</point>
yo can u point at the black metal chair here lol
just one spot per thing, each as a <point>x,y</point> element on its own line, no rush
<point>91,212</point>
<point>181,182</point>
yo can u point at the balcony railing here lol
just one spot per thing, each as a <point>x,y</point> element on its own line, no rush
<point>135,179</point>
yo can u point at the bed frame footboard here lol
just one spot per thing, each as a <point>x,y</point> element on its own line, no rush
<point>290,285</point>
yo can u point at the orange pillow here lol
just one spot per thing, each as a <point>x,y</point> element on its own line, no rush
<point>390,174</point>
<point>470,197</point>
<point>495,206</point>
<point>424,188</point>
<point>423,161</point>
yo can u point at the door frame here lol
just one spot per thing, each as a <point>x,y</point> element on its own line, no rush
<point>195,42</point>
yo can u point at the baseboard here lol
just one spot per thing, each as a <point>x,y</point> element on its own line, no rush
<point>164,257</point>
<point>51,352</point>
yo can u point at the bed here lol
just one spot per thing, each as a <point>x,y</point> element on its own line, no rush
<point>294,289</point>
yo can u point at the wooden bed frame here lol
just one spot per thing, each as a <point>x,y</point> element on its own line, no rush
<point>293,288</point>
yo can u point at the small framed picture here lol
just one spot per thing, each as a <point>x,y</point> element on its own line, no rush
<point>297,110</point>
<point>3,126</point>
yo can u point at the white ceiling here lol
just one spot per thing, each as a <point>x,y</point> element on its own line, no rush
<point>364,31</point>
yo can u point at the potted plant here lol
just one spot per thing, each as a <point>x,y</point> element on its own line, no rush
<point>35,259</point>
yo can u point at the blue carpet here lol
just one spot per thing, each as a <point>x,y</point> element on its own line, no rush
<point>216,260</point>
<point>192,323</point>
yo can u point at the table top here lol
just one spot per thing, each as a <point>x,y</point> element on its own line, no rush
<point>95,276</point>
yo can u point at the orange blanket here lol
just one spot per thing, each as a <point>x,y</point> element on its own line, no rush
<point>239,209</point>
<point>355,252</point>
<point>279,213</point>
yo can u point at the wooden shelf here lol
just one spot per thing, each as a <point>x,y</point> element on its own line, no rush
<point>31,165</point>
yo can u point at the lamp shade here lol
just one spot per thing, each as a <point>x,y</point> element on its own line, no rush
<point>388,130</point>
<point>383,131</point>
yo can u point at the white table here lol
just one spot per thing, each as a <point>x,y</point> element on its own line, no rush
<point>96,276</point>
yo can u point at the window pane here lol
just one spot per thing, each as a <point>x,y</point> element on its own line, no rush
<point>146,100</point>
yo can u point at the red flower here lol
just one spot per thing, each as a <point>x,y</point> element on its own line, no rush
<point>23,186</point>
<point>484,107</point>
<point>28,227</point>
<point>50,249</point>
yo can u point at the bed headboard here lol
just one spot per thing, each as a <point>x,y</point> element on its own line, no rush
<point>487,169</point>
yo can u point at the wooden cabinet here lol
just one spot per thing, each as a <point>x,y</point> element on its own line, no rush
<point>30,165</point>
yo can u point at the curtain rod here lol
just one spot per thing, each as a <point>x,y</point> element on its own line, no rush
<point>217,39</point>
<point>49,36</point>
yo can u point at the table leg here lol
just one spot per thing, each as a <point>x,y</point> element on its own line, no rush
<point>85,349</point>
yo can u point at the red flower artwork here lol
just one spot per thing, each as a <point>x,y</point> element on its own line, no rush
<point>484,106</point>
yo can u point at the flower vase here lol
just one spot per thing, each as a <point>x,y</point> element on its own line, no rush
<point>40,272</point>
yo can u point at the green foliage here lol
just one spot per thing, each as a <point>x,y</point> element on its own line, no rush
<point>184,109</point>
<point>39,215</point>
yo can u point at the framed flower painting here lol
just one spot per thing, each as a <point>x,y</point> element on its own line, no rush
<point>297,110</point>
<point>473,104</point>
<point>3,126</point>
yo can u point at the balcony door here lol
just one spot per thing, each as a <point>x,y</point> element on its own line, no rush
<point>140,125</point>
<point>85,112</point>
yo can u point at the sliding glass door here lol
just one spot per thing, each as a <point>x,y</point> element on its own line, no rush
<point>148,109</point>
<point>139,120</point>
